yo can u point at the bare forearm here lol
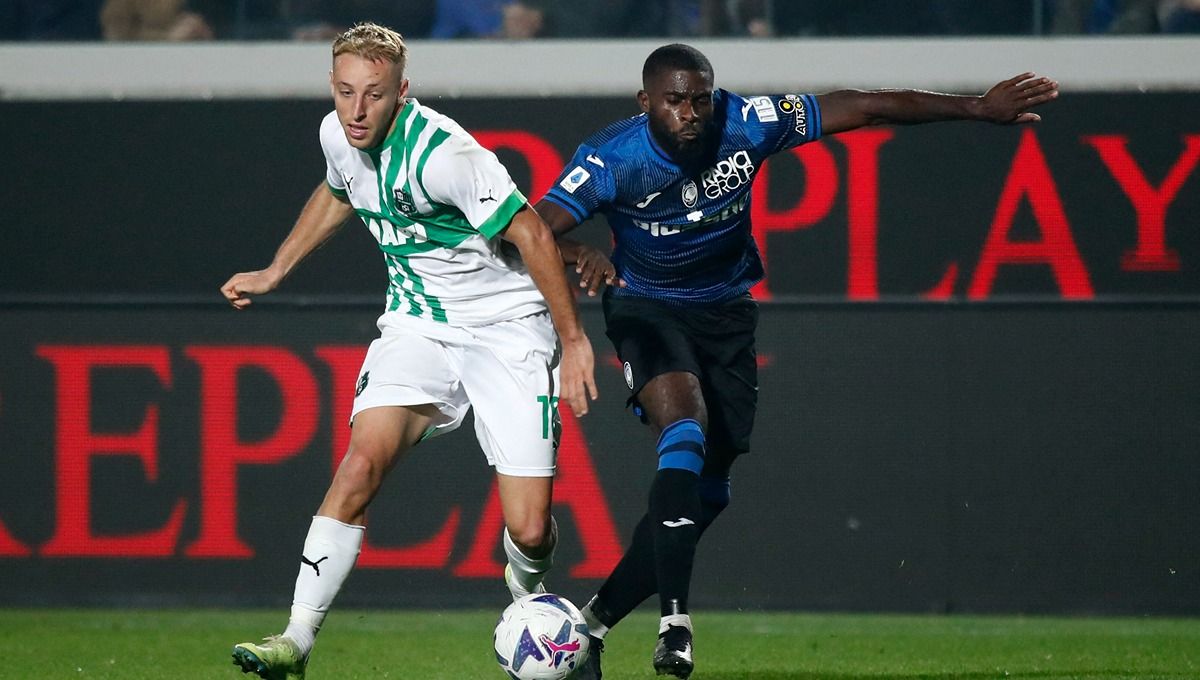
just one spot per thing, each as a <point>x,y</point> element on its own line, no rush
<point>560,222</point>
<point>908,107</point>
<point>895,107</point>
<point>544,261</point>
<point>1008,102</point>
<point>545,264</point>
<point>322,216</point>
<point>320,219</point>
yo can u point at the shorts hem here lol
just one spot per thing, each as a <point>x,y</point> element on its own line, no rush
<point>524,471</point>
<point>403,397</point>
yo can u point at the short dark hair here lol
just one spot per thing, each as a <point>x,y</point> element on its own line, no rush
<point>675,57</point>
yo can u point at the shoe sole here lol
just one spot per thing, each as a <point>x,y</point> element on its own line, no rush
<point>249,662</point>
<point>675,667</point>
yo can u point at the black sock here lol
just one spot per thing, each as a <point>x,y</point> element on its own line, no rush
<point>674,512</point>
<point>634,579</point>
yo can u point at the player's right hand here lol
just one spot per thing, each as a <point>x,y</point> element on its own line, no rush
<point>241,286</point>
<point>595,270</point>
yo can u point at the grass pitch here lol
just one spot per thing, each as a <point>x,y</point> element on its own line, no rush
<point>417,645</point>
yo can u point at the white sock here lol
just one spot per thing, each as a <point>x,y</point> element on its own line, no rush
<point>595,628</point>
<point>330,551</point>
<point>526,571</point>
<point>674,620</point>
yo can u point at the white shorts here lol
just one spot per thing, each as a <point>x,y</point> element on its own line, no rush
<point>507,371</point>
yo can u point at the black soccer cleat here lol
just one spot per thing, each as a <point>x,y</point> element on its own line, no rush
<point>590,670</point>
<point>673,653</point>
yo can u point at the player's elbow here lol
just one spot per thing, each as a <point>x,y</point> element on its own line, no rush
<point>529,233</point>
<point>846,110</point>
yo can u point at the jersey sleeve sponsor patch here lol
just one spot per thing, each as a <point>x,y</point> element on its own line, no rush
<point>764,108</point>
<point>801,125</point>
<point>795,106</point>
<point>585,183</point>
<point>574,179</point>
<point>781,121</point>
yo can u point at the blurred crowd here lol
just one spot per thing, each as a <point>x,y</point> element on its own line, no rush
<point>177,20</point>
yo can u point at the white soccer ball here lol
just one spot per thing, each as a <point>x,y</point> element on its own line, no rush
<point>541,637</point>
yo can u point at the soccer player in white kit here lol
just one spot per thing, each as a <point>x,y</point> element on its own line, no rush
<point>479,314</point>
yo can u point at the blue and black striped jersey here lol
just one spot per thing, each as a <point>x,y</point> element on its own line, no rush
<point>684,238</point>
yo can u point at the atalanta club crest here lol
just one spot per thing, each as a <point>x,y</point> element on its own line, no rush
<point>404,202</point>
<point>690,194</point>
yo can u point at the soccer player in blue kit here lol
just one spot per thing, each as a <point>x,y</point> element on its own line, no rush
<point>674,184</point>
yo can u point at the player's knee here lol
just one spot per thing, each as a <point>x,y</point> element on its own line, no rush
<point>681,446</point>
<point>359,472</point>
<point>532,537</point>
<point>357,480</point>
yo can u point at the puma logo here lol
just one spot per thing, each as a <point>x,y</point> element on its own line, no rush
<point>556,648</point>
<point>675,524</point>
<point>312,564</point>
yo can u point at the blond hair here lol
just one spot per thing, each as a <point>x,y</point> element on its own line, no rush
<point>373,43</point>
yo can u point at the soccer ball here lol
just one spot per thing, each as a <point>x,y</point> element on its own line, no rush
<point>541,637</point>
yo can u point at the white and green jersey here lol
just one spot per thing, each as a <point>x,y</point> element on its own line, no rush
<point>435,201</point>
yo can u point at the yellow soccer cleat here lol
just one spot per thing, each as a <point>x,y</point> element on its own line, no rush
<point>276,658</point>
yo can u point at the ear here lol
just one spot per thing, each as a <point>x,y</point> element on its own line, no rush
<point>403,89</point>
<point>643,101</point>
<point>332,89</point>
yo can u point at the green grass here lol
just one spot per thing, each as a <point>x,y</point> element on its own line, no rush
<point>133,644</point>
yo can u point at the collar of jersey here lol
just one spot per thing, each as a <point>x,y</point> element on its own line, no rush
<point>397,132</point>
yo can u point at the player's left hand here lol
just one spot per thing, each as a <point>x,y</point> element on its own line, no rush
<point>595,269</point>
<point>1008,102</point>
<point>577,373</point>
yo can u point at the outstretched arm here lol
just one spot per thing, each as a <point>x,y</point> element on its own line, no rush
<point>541,256</point>
<point>322,216</point>
<point>1006,103</point>
<point>594,267</point>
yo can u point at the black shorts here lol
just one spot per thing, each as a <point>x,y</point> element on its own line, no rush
<point>713,342</point>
